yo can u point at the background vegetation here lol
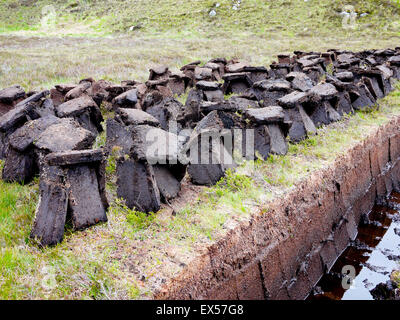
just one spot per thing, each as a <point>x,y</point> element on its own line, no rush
<point>292,17</point>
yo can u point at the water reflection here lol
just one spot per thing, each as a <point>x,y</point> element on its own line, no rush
<point>374,255</point>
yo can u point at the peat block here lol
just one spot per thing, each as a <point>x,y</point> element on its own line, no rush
<point>167,183</point>
<point>127,99</point>
<point>84,110</point>
<point>84,201</point>
<point>68,158</point>
<point>266,115</point>
<point>71,184</point>
<point>118,136</point>
<point>64,135</point>
<point>137,117</point>
<point>51,211</point>
<point>11,94</point>
<point>24,137</point>
<point>137,185</point>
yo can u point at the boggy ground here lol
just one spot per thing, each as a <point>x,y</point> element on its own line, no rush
<point>132,255</point>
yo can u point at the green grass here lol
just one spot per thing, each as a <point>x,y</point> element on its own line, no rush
<point>84,42</point>
<point>138,220</point>
<point>41,62</point>
<point>16,206</point>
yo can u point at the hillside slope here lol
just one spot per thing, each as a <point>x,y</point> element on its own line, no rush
<point>101,262</point>
<point>290,17</point>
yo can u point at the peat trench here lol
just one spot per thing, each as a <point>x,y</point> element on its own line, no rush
<point>290,251</point>
<point>365,269</point>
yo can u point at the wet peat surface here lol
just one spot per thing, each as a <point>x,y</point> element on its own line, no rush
<point>369,260</point>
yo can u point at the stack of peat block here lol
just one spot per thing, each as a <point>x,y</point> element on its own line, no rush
<point>154,137</point>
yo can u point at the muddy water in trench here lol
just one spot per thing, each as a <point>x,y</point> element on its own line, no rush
<point>371,257</point>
